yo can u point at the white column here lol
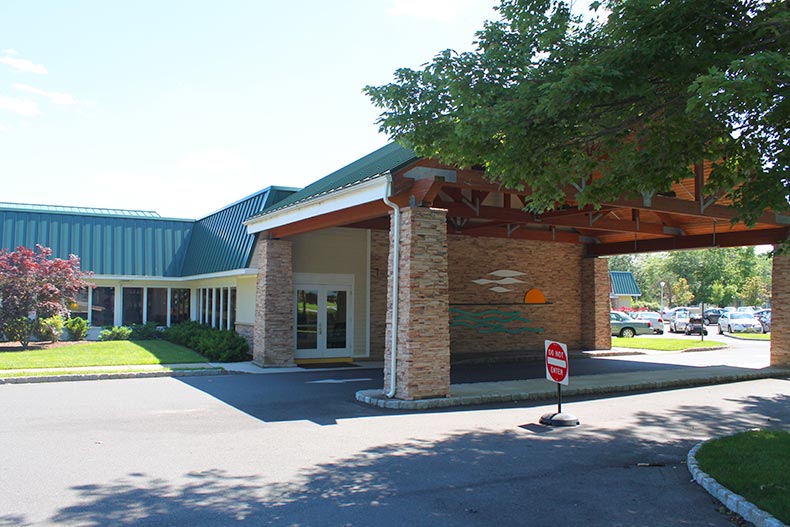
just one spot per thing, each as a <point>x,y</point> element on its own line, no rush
<point>145,305</point>
<point>213,307</point>
<point>118,315</point>
<point>169,304</point>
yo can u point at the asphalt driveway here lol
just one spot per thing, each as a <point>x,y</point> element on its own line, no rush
<point>294,449</point>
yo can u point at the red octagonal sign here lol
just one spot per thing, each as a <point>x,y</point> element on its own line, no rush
<point>556,362</point>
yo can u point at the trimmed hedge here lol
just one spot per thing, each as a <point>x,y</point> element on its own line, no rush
<point>214,344</point>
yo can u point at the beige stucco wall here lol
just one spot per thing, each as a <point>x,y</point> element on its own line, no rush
<point>339,251</point>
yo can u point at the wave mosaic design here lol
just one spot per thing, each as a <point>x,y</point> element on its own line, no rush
<point>491,321</point>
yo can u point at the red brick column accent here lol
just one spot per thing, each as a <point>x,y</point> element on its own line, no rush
<point>423,355</point>
<point>596,328</point>
<point>780,311</point>
<point>274,304</point>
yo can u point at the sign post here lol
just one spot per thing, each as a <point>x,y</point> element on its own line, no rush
<point>556,358</point>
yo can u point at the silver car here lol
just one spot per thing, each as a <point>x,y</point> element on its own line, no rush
<point>679,320</point>
<point>739,322</point>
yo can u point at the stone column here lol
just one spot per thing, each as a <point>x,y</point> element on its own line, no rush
<point>423,351</point>
<point>596,328</point>
<point>273,336</point>
<point>780,311</point>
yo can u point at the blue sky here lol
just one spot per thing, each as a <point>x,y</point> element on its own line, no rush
<point>184,106</point>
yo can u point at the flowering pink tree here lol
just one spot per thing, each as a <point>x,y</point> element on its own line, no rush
<point>34,286</point>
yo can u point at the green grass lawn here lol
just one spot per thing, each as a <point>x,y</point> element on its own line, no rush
<point>755,465</point>
<point>753,336</point>
<point>648,343</point>
<point>112,353</point>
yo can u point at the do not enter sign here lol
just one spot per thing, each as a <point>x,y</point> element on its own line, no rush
<point>556,362</point>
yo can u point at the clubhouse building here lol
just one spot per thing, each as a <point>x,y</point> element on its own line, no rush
<point>394,258</point>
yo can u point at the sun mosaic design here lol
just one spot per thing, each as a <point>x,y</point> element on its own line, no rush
<point>496,320</point>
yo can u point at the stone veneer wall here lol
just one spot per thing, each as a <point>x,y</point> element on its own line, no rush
<point>595,324</point>
<point>553,268</point>
<point>379,265</point>
<point>423,358</point>
<point>780,311</point>
<point>247,332</point>
<point>274,312</point>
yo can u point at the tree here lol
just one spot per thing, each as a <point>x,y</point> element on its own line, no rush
<point>681,292</point>
<point>621,105</point>
<point>34,287</point>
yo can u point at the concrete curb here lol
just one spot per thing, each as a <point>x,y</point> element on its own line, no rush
<point>106,376</point>
<point>511,391</point>
<point>734,502</point>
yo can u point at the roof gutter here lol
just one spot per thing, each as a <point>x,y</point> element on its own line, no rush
<point>395,268</point>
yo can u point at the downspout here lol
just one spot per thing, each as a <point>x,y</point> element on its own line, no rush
<point>395,266</point>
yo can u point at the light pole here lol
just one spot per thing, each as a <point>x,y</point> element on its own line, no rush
<point>662,295</point>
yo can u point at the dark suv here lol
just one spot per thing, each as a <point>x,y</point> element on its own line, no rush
<point>712,315</point>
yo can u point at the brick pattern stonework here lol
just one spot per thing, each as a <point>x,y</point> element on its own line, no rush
<point>553,268</point>
<point>780,311</point>
<point>274,310</point>
<point>247,332</point>
<point>379,262</point>
<point>423,355</point>
<point>595,325</point>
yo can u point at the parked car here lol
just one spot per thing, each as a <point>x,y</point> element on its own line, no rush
<point>695,325</point>
<point>739,322</point>
<point>712,315</point>
<point>654,318</point>
<point>678,320</point>
<point>625,326</point>
<point>764,316</point>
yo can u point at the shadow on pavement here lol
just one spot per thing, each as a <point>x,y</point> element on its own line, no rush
<point>323,397</point>
<point>582,476</point>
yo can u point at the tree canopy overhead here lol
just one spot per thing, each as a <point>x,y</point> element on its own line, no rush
<point>622,105</point>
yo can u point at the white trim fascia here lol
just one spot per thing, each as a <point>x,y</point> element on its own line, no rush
<point>365,192</point>
<point>140,278</point>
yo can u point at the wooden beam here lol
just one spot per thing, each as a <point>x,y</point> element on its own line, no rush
<point>700,241</point>
<point>499,231</point>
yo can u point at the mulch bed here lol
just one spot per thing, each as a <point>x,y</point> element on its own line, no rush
<point>15,346</point>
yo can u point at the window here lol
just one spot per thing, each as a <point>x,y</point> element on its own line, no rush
<point>157,306</point>
<point>179,305</point>
<point>78,307</point>
<point>132,305</point>
<point>103,306</point>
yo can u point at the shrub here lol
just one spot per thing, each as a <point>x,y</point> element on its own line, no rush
<point>19,330</point>
<point>214,344</point>
<point>77,328</point>
<point>49,328</point>
<point>147,331</point>
<point>116,333</point>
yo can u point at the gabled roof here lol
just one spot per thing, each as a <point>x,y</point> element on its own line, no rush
<point>624,284</point>
<point>387,158</point>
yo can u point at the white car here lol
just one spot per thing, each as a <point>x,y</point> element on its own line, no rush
<point>738,322</point>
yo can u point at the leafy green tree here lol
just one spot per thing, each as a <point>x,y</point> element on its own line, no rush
<point>681,292</point>
<point>754,292</point>
<point>622,105</point>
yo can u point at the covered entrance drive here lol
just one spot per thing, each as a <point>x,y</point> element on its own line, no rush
<point>476,275</point>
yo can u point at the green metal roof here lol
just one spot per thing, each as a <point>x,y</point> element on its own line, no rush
<point>95,211</point>
<point>112,242</point>
<point>389,157</point>
<point>623,284</point>
<point>106,245</point>
<point>220,241</point>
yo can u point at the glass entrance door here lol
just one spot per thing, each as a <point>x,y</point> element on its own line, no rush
<point>323,322</point>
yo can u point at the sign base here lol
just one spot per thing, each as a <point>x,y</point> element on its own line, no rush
<point>559,419</point>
